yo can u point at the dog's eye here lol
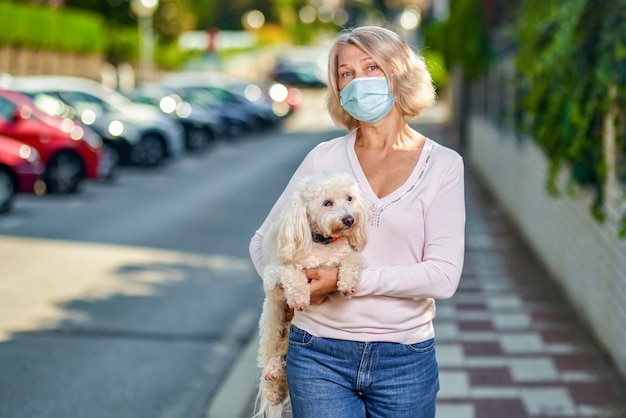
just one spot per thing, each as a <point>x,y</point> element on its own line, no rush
<point>327,203</point>
<point>349,198</point>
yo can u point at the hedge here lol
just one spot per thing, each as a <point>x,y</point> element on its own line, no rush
<point>43,27</point>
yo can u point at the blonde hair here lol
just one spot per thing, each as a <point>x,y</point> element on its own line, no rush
<point>409,80</point>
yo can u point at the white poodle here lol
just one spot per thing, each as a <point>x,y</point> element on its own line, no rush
<point>323,224</point>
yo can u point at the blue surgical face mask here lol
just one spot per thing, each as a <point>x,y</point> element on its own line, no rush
<point>367,98</point>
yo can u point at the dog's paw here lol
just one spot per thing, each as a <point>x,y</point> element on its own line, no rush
<point>298,301</point>
<point>299,304</point>
<point>272,372</point>
<point>275,396</point>
<point>347,288</point>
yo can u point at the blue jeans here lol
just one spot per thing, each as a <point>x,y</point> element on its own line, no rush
<point>331,378</point>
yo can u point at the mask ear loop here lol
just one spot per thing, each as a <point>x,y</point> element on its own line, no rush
<point>391,82</point>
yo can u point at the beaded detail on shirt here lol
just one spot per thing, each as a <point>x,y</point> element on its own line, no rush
<point>377,209</point>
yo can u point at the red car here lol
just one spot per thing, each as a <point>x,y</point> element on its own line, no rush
<point>20,171</point>
<point>70,151</point>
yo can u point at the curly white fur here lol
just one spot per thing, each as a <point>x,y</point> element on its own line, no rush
<point>329,205</point>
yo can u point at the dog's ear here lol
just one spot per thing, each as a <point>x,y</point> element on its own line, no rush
<point>294,233</point>
<point>358,238</point>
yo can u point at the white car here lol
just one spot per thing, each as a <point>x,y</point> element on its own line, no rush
<point>138,133</point>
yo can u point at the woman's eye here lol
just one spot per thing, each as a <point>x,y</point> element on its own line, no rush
<point>372,68</point>
<point>346,74</point>
<point>327,203</point>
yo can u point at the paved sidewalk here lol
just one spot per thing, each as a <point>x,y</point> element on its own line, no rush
<point>508,343</point>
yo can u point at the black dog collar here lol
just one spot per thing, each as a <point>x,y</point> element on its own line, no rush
<point>322,239</point>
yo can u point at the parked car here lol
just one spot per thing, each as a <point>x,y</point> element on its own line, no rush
<point>237,121</point>
<point>69,151</point>
<point>202,125</point>
<point>242,117</point>
<point>279,99</point>
<point>20,171</point>
<point>250,99</point>
<point>140,134</point>
<point>109,159</point>
<point>298,74</point>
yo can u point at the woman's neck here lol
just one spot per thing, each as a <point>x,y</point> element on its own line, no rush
<point>389,136</point>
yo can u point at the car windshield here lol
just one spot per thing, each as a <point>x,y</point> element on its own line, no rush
<point>52,106</point>
<point>81,101</point>
<point>113,98</point>
<point>201,96</point>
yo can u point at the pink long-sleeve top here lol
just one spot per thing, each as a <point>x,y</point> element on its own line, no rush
<point>415,250</point>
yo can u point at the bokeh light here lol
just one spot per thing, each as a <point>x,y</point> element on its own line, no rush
<point>410,18</point>
<point>307,14</point>
<point>253,19</point>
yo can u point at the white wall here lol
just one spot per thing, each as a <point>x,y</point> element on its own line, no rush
<point>586,258</point>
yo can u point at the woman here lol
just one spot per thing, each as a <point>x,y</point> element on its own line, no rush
<point>373,355</point>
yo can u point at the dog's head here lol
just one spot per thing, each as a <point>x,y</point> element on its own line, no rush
<point>329,205</point>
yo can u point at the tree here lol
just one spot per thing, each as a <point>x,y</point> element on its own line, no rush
<point>226,15</point>
<point>172,18</point>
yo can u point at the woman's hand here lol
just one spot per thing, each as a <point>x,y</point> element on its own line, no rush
<point>322,281</point>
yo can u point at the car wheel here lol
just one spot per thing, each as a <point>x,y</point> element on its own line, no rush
<point>7,190</point>
<point>149,152</point>
<point>64,173</point>
<point>235,130</point>
<point>198,138</point>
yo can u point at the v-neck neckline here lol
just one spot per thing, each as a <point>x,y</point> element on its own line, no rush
<point>378,205</point>
<point>401,190</point>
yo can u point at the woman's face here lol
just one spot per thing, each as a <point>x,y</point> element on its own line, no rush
<point>353,62</point>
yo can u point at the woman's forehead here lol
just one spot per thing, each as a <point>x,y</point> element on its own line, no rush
<point>352,53</point>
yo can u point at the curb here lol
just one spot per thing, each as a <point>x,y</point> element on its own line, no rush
<point>232,399</point>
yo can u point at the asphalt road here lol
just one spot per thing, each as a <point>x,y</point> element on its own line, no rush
<point>135,299</point>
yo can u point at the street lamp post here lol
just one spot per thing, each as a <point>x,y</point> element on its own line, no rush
<point>144,10</point>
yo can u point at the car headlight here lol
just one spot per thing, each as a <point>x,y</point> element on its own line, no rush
<point>88,117</point>
<point>30,154</point>
<point>183,110</point>
<point>116,128</point>
<point>167,104</point>
<point>278,92</point>
<point>252,92</point>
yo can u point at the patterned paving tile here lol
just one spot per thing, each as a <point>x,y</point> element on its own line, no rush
<point>475,325</point>
<point>495,376</point>
<point>482,349</point>
<point>499,408</point>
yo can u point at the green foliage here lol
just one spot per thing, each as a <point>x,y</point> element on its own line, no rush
<point>460,40</point>
<point>434,35</point>
<point>72,31</point>
<point>435,50</point>
<point>171,18</point>
<point>571,56</point>
<point>169,57</point>
<point>114,12</point>
<point>437,67</point>
<point>226,15</point>
<point>123,44</point>
<point>465,38</point>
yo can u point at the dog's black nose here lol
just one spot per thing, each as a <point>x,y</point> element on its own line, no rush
<point>348,220</point>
